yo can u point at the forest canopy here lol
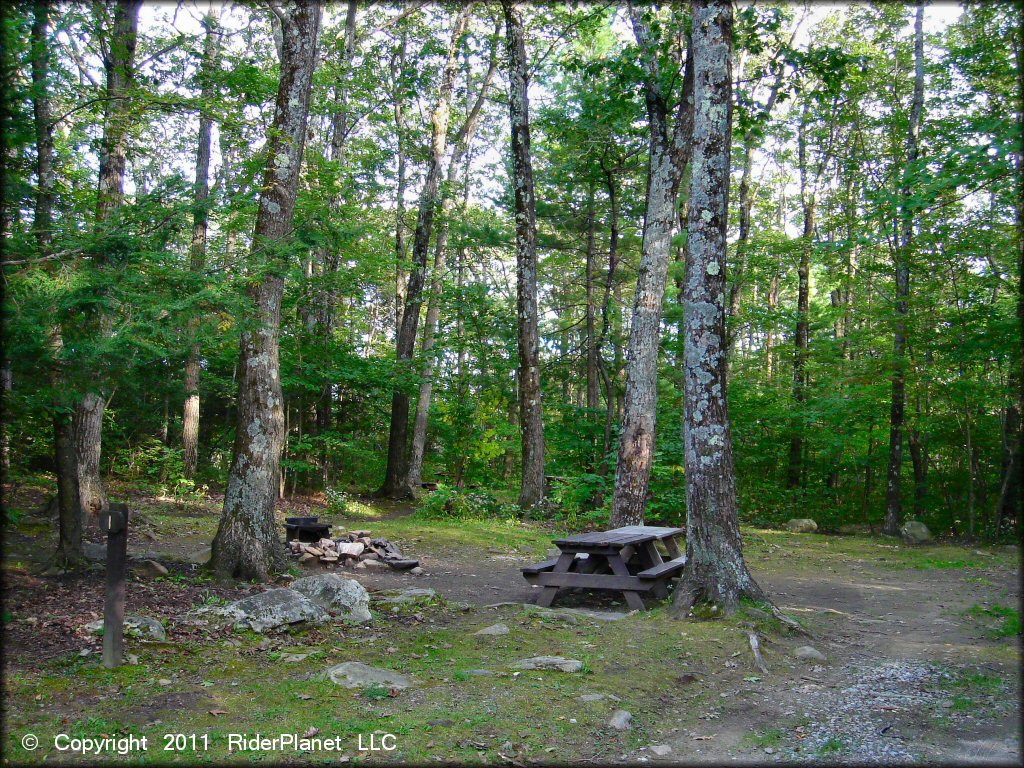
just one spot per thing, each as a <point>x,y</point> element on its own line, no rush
<point>341,196</point>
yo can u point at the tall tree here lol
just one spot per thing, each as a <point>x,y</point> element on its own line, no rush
<point>197,261</point>
<point>531,424</point>
<point>69,508</point>
<point>668,156</point>
<point>715,571</point>
<point>462,142</point>
<point>396,476</point>
<point>247,545</point>
<point>901,266</point>
<point>118,48</point>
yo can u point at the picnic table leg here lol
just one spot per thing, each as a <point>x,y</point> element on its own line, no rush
<point>673,547</point>
<point>547,596</point>
<point>633,599</point>
<point>653,557</point>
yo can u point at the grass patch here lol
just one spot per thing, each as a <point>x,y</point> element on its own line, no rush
<point>1000,620</point>
<point>765,737</point>
<point>832,746</point>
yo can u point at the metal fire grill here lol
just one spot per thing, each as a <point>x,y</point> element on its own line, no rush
<point>306,529</point>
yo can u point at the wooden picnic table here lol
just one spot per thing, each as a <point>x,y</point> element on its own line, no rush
<point>624,560</point>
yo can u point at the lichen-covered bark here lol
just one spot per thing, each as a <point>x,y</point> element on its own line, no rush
<point>531,426</point>
<point>246,545</point>
<point>119,65</point>
<point>715,571</point>
<point>902,274</point>
<point>396,476</point>
<point>667,160</point>
<point>200,220</point>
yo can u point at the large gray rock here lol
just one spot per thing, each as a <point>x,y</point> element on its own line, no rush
<point>270,609</point>
<point>915,532</point>
<point>345,596</point>
<point>550,662</point>
<point>355,674</point>
<point>143,627</point>
<point>801,525</point>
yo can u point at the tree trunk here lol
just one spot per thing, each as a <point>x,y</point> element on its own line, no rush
<point>462,141</point>
<point>531,425</point>
<point>69,508</point>
<point>1013,507</point>
<point>902,271</point>
<point>736,287</point>
<point>918,445</point>
<point>801,338</point>
<point>591,308</point>
<point>200,222</point>
<point>401,130</point>
<point>715,571</point>
<point>396,477</point>
<point>613,256</point>
<point>119,65</point>
<point>666,163</point>
<point>246,545</point>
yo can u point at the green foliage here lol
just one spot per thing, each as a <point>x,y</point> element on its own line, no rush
<point>337,501</point>
<point>448,503</point>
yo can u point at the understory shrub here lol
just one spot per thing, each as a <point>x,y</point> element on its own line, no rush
<point>447,503</point>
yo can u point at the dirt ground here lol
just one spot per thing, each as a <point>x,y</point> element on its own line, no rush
<point>897,637</point>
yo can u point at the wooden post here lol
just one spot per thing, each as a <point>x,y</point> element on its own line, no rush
<point>115,523</point>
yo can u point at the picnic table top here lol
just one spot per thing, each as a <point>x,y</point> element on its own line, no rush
<point>619,537</point>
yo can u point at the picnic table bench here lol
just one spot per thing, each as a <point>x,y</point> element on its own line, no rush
<point>624,560</point>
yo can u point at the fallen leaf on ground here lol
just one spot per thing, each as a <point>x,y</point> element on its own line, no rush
<point>216,712</point>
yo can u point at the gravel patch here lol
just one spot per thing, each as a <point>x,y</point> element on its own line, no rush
<point>863,720</point>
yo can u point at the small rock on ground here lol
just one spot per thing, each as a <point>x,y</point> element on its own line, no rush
<point>550,662</point>
<point>808,653</point>
<point>494,629</point>
<point>660,749</point>
<point>621,720</point>
<point>355,674</point>
<point>140,626</point>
